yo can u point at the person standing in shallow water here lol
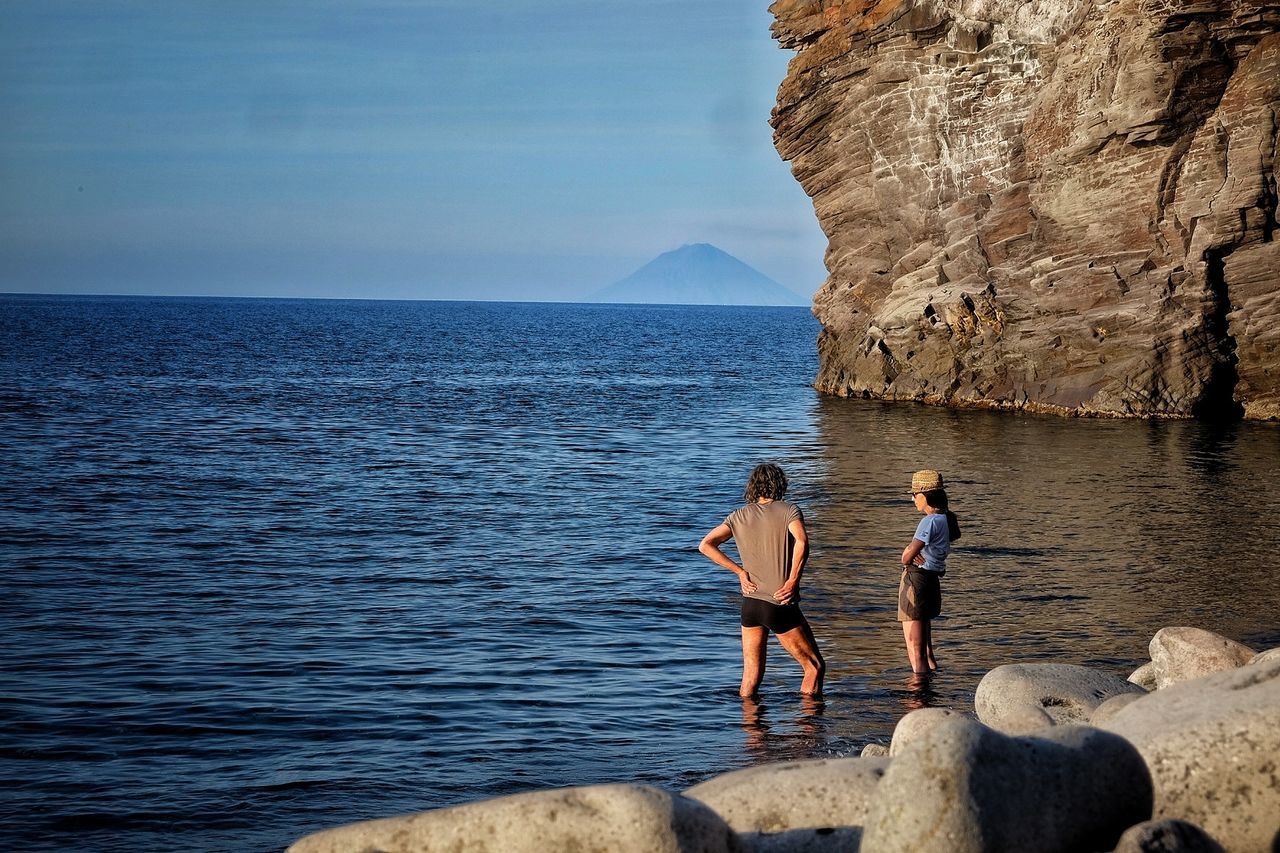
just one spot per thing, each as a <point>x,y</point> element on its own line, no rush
<point>924,562</point>
<point>773,545</point>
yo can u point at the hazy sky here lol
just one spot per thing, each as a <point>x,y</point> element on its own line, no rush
<point>518,149</point>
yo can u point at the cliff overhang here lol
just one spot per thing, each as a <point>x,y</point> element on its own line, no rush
<point>1057,205</point>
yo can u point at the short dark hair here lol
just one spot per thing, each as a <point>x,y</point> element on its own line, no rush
<point>766,481</point>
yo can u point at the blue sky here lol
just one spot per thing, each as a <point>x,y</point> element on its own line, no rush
<point>429,149</point>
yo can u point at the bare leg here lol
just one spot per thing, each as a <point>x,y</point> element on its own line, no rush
<point>914,632</point>
<point>928,645</point>
<point>754,647</point>
<point>753,723</point>
<point>919,692</point>
<point>801,645</point>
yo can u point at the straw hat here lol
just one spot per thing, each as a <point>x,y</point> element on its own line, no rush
<point>926,481</point>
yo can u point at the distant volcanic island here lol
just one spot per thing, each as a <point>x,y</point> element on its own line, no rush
<point>697,274</point>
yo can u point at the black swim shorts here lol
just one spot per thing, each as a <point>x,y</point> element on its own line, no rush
<point>778,618</point>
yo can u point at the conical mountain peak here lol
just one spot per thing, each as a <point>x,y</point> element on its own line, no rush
<point>698,274</point>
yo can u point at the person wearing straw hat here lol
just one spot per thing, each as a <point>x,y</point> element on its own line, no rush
<point>924,562</point>
<point>774,546</point>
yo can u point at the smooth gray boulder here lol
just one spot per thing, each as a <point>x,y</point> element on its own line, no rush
<point>800,805</point>
<point>966,788</point>
<point>1213,748</point>
<point>914,724</point>
<point>1181,654</point>
<point>1166,836</point>
<point>1009,697</point>
<point>1109,708</point>
<point>595,817</point>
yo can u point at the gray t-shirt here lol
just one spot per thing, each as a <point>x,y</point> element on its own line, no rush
<point>765,546</point>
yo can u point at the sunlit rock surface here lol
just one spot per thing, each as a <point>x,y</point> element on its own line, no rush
<point>1057,205</point>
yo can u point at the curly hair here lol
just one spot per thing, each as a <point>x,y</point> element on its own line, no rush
<point>766,481</point>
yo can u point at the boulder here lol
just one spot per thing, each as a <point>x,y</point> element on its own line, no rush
<point>1213,748</point>
<point>801,805</point>
<point>916,723</point>
<point>1181,654</point>
<point>1268,655</point>
<point>595,817</point>
<point>1022,720</point>
<point>875,750</point>
<point>963,787</point>
<point>1108,709</point>
<point>1012,697</point>
<point>1144,676</point>
<point>1166,836</point>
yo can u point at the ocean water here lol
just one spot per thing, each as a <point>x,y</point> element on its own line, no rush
<point>271,566</point>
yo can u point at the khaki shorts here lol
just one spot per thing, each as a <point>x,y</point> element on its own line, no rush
<point>919,595</point>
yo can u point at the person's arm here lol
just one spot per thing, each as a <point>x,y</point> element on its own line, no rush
<point>799,556</point>
<point>911,554</point>
<point>710,548</point>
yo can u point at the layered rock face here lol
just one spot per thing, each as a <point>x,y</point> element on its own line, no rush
<point>1058,205</point>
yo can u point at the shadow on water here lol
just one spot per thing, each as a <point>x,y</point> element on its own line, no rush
<point>1081,537</point>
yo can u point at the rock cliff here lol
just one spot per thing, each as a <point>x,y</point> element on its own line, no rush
<point>1058,205</point>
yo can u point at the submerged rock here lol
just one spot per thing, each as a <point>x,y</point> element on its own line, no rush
<point>802,805</point>
<point>966,788</point>
<point>1181,654</point>
<point>1020,698</point>
<point>596,817</point>
<point>1213,749</point>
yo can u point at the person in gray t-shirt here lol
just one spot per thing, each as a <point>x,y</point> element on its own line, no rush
<point>773,545</point>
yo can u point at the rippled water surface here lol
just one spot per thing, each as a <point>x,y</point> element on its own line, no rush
<point>273,566</point>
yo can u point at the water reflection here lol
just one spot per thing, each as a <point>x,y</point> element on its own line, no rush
<point>919,692</point>
<point>1082,538</point>
<point>800,735</point>
<point>754,724</point>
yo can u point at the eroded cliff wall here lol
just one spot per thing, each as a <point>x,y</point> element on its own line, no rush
<point>1059,205</point>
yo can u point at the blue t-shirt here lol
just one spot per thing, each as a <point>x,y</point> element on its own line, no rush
<point>936,536</point>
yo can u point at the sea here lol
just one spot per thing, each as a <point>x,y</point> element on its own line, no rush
<point>274,566</point>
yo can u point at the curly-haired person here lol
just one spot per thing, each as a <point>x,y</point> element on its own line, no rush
<point>772,543</point>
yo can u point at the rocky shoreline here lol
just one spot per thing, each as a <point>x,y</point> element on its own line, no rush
<point>1182,755</point>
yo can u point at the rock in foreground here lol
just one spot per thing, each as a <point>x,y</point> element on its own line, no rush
<point>966,788</point>
<point>623,818</point>
<point>1166,836</point>
<point>802,805</point>
<point>1213,747</point>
